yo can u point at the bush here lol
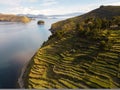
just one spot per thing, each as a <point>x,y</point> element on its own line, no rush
<point>59,34</point>
<point>105,42</point>
<point>102,45</point>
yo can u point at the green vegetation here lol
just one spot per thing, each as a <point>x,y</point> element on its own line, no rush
<point>79,54</point>
<point>14,18</point>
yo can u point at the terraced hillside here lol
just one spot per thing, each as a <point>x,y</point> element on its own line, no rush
<point>77,57</point>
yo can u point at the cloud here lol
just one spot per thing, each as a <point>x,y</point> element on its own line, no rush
<point>30,10</point>
<point>50,6</point>
<point>48,11</point>
<point>89,7</point>
<point>23,10</point>
<point>14,3</point>
<point>10,2</point>
<point>117,3</point>
<point>110,1</point>
<point>113,3</point>
<point>49,2</point>
<point>32,1</point>
<point>17,8</point>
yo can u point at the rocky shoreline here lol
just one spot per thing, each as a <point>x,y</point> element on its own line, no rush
<point>20,79</point>
<point>23,71</point>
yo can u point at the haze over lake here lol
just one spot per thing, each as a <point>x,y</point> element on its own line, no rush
<point>18,43</point>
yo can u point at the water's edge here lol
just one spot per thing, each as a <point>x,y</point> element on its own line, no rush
<point>20,79</point>
<point>23,71</point>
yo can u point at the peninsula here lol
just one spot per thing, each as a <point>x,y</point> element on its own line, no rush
<point>14,18</point>
<point>82,52</point>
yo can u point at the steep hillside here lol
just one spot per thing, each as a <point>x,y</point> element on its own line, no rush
<point>14,18</point>
<point>82,54</point>
<point>107,12</point>
<point>104,11</point>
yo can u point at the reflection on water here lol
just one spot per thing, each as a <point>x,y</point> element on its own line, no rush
<point>18,43</point>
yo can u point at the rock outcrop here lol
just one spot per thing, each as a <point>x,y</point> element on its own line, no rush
<point>41,22</point>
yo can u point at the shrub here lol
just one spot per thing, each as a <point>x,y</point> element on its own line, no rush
<point>102,45</point>
<point>59,34</point>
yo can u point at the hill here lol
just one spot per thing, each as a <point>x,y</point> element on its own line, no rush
<point>104,11</point>
<point>14,18</point>
<point>79,54</point>
<point>107,12</point>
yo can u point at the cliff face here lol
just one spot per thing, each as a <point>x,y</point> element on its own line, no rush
<point>82,54</point>
<point>14,18</point>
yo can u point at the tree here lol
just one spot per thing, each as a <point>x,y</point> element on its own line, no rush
<point>105,23</point>
<point>102,45</point>
<point>59,34</point>
<point>98,23</point>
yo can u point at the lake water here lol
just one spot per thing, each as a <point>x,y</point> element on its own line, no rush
<point>18,43</point>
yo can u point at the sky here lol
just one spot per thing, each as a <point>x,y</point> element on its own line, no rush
<point>52,7</point>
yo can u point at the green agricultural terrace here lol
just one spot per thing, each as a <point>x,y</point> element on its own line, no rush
<point>80,53</point>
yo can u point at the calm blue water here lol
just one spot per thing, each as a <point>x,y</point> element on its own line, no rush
<point>18,43</point>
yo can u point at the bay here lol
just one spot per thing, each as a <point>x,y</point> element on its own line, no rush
<point>18,43</point>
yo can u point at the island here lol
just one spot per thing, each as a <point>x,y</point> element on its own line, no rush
<point>40,22</point>
<point>14,18</point>
<point>82,52</point>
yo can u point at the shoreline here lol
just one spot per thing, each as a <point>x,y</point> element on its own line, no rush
<point>20,79</point>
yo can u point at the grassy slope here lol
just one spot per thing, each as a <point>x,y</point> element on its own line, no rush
<point>102,12</point>
<point>71,62</point>
<point>14,18</point>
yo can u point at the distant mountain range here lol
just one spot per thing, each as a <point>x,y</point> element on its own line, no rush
<point>50,16</point>
<point>66,15</point>
<point>33,16</point>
